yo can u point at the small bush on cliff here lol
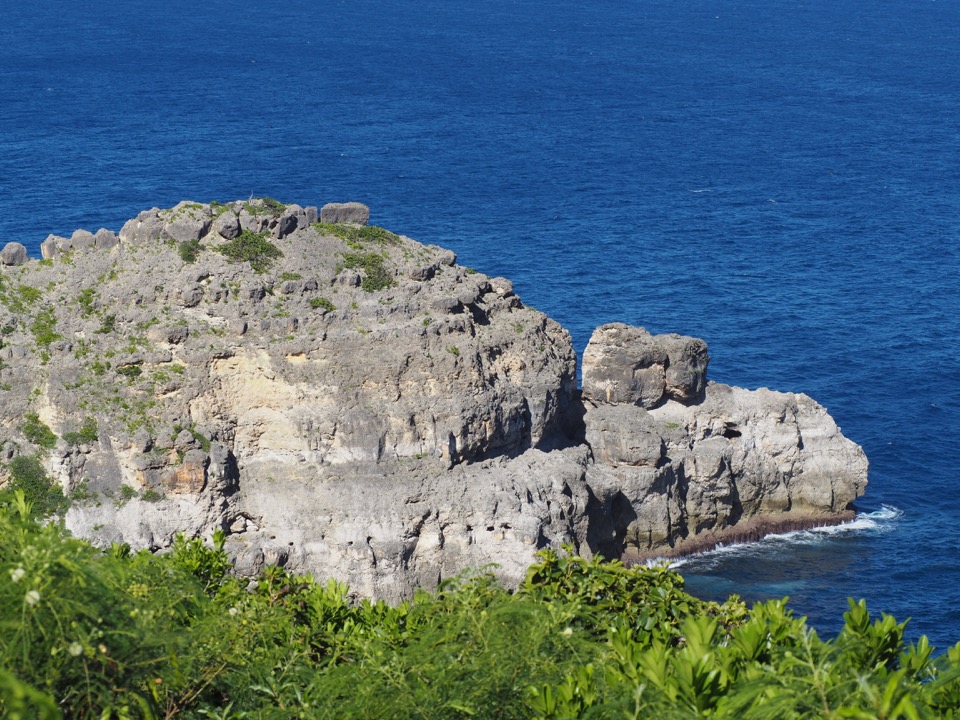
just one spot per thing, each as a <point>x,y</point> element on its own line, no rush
<point>375,273</point>
<point>355,236</point>
<point>86,301</point>
<point>87,433</point>
<point>322,303</point>
<point>44,327</point>
<point>37,432</point>
<point>264,206</point>
<point>27,476</point>
<point>189,250</point>
<point>251,247</point>
<point>131,372</point>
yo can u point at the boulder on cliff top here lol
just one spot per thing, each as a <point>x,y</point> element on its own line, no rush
<point>13,253</point>
<point>626,364</point>
<point>352,212</point>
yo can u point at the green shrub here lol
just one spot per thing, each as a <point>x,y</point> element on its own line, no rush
<point>108,324</point>
<point>37,432</point>
<point>23,297</point>
<point>127,493</point>
<point>356,235</point>
<point>130,372</point>
<point>44,327</point>
<point>251,247</point>
<point>376,276</point>
<point>264,206</point>
<point>87,433</point>
<point>202,440</point>
<point>189,250</point>
<point>40,492</point>
<point>322,302</point>
<point>86,300</point>
<point>81,493</point>
<point>116,634</point>
<point>151,495</point>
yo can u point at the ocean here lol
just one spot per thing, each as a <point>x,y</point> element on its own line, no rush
<point>779,178</point>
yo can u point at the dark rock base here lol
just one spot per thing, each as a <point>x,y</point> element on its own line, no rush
<point>743,532</point>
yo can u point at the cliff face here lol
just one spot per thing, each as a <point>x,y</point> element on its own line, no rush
<point>349,402</point>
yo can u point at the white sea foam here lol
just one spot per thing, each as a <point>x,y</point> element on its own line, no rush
<point>878,521</point>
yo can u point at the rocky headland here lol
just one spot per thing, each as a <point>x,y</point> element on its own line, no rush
<point>351,403</point>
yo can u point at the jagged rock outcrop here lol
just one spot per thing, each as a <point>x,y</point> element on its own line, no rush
<point>346,401</point>
<point>679,469</point>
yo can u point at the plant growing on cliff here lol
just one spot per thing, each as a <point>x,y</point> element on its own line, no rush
<point>86,301</point>
<point>251,247</point>
<point>356,235</point>
<point>87,433</point>
<point>322,303</point>
<point>37,432</point>
<point>375,273</point>
<point>264,206</point>
<point>44,327</point>
<point>189,250</point>
<point>22,298</point>
<point>202,440</point>
<point>108,324</point>
<point>43,496</point>
<point>131,372</point>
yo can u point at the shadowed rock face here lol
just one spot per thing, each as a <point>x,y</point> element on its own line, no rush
<point>352,403</point>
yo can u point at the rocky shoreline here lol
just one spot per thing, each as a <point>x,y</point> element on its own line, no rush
<point>752,530</point>
<point>349,402</point>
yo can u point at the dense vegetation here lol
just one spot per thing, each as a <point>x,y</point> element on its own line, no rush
<point>88,633</point>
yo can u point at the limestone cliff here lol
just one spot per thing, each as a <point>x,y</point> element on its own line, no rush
<point>349,402</point>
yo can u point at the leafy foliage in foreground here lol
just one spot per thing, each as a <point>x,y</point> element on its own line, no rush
<point>112,635</point>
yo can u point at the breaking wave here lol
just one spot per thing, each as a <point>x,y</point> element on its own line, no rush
<point>865,523</point>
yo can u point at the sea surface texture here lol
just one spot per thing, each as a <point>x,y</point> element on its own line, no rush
<point>779,178</point>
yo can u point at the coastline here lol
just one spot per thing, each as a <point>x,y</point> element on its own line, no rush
<point>748,531</point>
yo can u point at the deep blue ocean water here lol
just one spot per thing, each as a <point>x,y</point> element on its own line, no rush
<point>780,178</point>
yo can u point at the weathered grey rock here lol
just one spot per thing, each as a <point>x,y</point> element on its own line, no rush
<point>625,364</point>
<point>502,286</point>
<point>228,225</point>
<point>699,469</point>
<point>145,228</point>
<point>83,240</point>
<point>350,212</point>
<point>424,272</point>
<point>13,253</point>
<point>388,438</point>
<point>292,218</point>
<point>105,239</point>
<point>51,247</point>
<point>251,222</point>
<point>186,221</point>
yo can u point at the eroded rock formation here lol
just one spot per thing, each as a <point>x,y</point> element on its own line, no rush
<point>680,462</point>
<point>350,402</point>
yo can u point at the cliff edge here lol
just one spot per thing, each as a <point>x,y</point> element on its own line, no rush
<point>349,402</point>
